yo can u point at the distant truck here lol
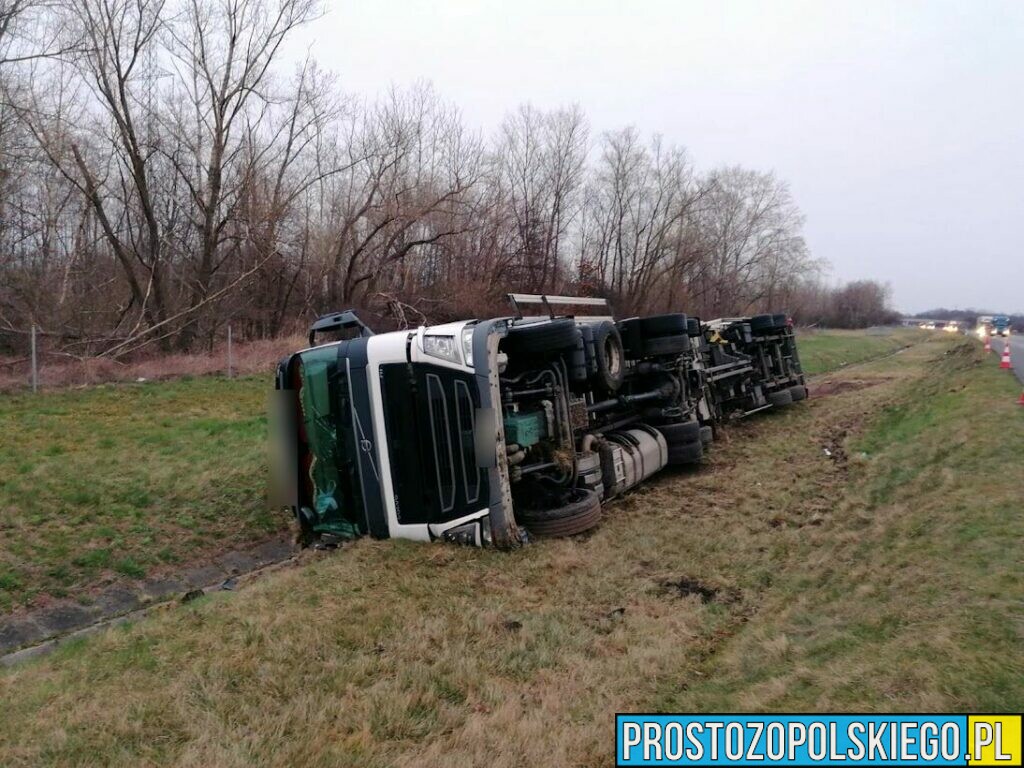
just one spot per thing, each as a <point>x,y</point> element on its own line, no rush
<point>993,325</point>
<point>483,431</point>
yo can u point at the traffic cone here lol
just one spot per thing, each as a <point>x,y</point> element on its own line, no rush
<point>1005,362</point>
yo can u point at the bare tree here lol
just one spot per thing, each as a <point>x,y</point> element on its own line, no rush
<point>160,177</point>
<point>541,157</point>
<point>749,230</point>
<point>634,242</point>
<point>179,113</point>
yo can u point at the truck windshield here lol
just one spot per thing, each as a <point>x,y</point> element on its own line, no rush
<point>326,403</point>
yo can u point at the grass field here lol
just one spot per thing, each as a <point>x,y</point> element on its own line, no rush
<point>823,351</point>
<point>881,575</point>
<point>125,481</point>
<point>119,481</point>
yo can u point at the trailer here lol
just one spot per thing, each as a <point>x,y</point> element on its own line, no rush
<point>488,432</point>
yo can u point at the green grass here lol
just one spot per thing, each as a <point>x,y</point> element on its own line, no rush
<point>889,580</point>
<point>114,481</point>
<point>825,351</point>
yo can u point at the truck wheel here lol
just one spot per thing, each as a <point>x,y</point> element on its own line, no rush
<point>590,354</point>
<point>662,346</point>
<point>781,321</point>
<point>577,361</point>
<point>610,355</point>
<point>680,434</point>
<point>581,513</point>
<point>632,337</point>
<point>685,453</point>
<point>542,337</point>
<point>693,327</point>
<point>663,325</point>
<point>780,398</point>
<point>762,323</point>
<point>798,393</point>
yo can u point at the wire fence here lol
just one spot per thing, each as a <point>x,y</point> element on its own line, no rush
<point>41,365</point>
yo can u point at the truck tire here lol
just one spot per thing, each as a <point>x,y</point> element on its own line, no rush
<point>576,362</point>
<point>682,433</point>
<point>685,453</point>
<point>610,356</point>
<point>663,325</point>
<point>780,398</point>
<point>632,337</point>
<point>581,513</point>
<point>590,354</point>
<point>693,327</point>
<point>781,321</point>
<point>663,346</point>
<point>798,393</point>
<point>541,338</point>
<point>760,324</point>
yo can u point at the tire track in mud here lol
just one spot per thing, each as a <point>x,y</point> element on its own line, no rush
<point>32,633</point>
<point>834,413</point>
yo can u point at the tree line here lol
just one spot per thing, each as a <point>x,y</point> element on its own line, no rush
<point>164,172</point>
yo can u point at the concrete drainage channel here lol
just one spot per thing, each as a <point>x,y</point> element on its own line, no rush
<point>38,632</point>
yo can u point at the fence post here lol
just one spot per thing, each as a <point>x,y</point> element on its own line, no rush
<point>230,359</point>
<point>35,364</point>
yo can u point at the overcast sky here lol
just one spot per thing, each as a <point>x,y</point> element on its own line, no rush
<point>898,125</point>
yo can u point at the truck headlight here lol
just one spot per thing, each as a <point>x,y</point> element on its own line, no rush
<point>442,347</point>
<point>467,344</point>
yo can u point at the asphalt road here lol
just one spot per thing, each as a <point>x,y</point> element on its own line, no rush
<point>1016,353</point>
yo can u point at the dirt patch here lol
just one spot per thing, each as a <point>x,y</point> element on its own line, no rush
<point>685,586</point>
<point>837,387</point>
<point>833,445</point>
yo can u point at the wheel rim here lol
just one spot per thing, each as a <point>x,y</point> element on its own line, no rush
<point>612,355</point>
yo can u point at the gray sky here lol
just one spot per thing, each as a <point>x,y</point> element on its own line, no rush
<point>898,125</point>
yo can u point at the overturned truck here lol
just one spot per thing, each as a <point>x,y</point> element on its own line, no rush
<point>486,432</point>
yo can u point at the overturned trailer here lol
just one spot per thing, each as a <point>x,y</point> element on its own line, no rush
<point>752,364</point>
<point>487,431</point>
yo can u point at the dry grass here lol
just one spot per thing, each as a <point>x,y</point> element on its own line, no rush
<point>254,357</point>
<point>775,577</point>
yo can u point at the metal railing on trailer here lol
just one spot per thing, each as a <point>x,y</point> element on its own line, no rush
<point>519,299</point>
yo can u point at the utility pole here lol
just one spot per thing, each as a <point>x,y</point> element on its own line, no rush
<point>35,363</point>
